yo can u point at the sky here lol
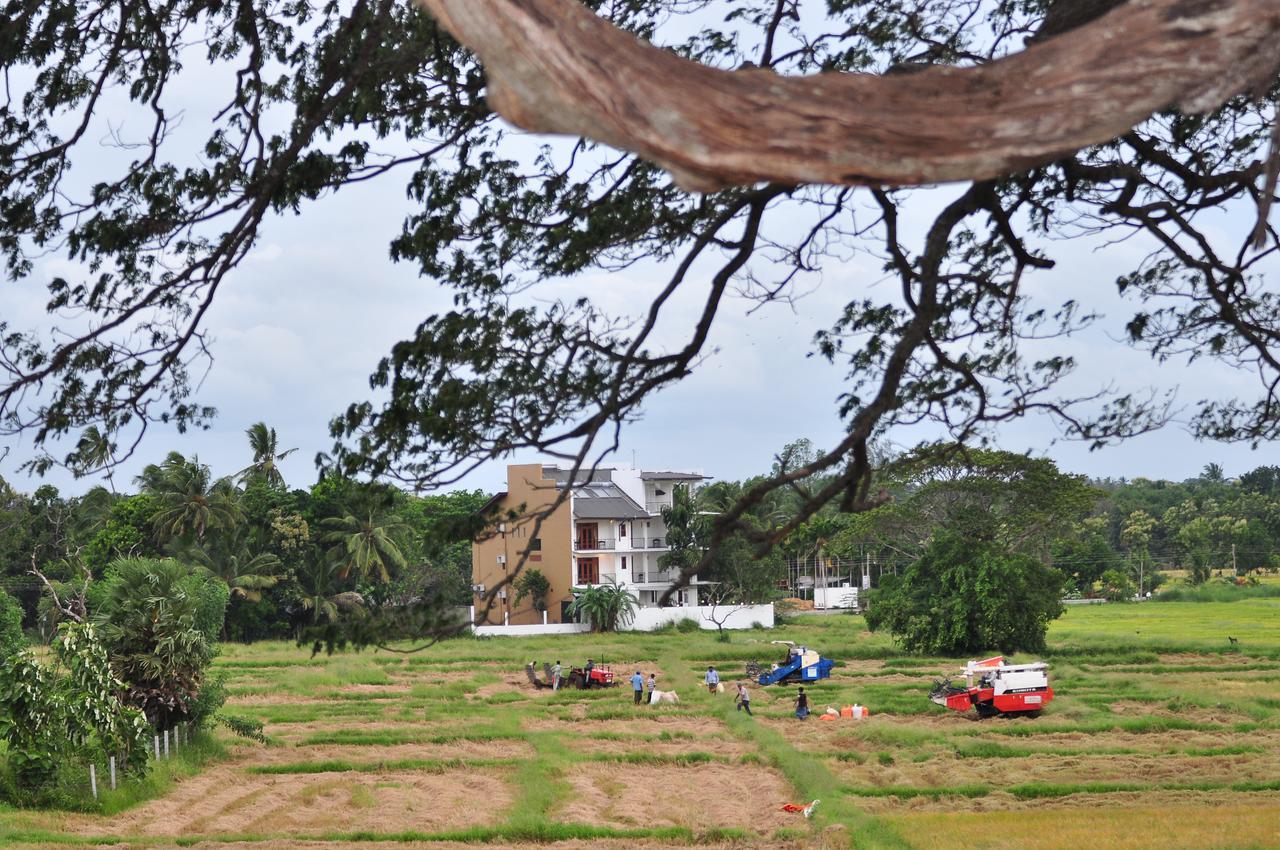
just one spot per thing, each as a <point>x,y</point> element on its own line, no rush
<point>298,328</point>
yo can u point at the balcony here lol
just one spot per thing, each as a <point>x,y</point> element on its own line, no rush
<point>655,577</point>
<point>656,507</point>
<point>593,544</point>
<point>649,543</point>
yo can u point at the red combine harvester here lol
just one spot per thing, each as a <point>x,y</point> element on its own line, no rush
<point>993,687</point>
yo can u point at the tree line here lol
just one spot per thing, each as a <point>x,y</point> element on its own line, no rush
<point>290,557</point>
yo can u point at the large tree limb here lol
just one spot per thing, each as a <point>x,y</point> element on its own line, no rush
<point>555,67</point>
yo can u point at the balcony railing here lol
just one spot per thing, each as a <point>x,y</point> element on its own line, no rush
<point>656,507</point>
<point>655,577</point>
<point>599,544</point>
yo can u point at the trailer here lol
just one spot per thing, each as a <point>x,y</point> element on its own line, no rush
<point>993,687</point>
<point>800,664</point>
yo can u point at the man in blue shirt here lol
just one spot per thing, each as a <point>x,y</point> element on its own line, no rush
<point>713,680</point>
<point>637,685</point>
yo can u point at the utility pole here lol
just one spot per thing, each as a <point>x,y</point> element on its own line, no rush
<point>1234,569</point>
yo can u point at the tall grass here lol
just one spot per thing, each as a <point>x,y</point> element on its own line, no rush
<point>1218,592</point>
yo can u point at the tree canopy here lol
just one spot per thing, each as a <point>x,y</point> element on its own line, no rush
<point>311,98</point>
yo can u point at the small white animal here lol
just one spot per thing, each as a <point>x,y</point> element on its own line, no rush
<point>664,696</point>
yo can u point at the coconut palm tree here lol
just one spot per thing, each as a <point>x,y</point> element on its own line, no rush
<point>366,544</point>
<point>189,501</point>
<point>320,582</point>
<point>266,456</point>
<point>237,558</point>
<point>94,451</point>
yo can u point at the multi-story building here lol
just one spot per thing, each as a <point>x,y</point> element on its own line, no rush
<point>609,528</point>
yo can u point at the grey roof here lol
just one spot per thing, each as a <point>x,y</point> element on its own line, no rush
<point>605,501</point>
<point>672,476</point>
<point>561,476</point>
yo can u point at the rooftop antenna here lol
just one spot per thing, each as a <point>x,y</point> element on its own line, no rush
<point>633,458</point>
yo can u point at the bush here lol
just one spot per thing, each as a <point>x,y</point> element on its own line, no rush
<point>160,620</point>
<point>688,625</point>
<point>55,719</point>
<point>11,637</point>
<point>1116,586</point>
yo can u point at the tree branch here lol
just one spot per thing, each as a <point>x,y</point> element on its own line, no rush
<point>553,66</point>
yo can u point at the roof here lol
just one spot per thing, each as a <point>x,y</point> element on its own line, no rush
<point>561,476</point>
<point>672,476</point>
<point>605,501</point>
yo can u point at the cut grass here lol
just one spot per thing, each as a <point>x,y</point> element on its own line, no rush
<point>378,766</point>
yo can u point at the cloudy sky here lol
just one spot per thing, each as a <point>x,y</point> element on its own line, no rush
<point>298,328</point>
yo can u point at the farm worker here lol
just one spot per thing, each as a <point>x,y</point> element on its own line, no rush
<point>637,685</point>
<point>586,672</point>
<point>555,676</point>
<point>802,705</point>
<point>744,699</point>
<point>713,679</point>
<point>653,685</point>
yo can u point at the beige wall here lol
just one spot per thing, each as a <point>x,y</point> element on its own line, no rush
<point>527,492</point>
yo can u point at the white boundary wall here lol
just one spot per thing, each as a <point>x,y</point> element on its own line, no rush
<point>740,616</point>
<point>835,597</point>
<point>526,631</point>
<point>648,619</point>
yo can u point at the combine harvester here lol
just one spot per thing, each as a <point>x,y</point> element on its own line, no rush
<point>801,664</point>
<point>993,687</point>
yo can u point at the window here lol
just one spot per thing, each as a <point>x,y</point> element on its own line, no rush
<point>535,545</point>
<point>622,530</point>
<point>588,571</point>
<point>624,562</point>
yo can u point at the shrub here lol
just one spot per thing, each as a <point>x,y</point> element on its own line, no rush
<point>159,620</point>
<point>688,625</point>
<point>1116,586</point>
<point>608,606</point>
<point>55,718</point>
<point>11,637</point>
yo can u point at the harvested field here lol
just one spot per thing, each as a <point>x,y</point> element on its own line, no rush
<point>1064,769</point>
<point>218,803</point>
<point>697,796</point>
<point>453,748</point>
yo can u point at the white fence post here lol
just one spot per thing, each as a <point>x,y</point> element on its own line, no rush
<point>93,781</point>
<point>544,618</point>
<point>166,743</point>
<point>157,742</point>
<point>113,772</point>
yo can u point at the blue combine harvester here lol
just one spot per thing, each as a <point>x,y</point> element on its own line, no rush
<point>801,664</point>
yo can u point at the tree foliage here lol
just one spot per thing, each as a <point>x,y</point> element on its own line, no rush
<point>160,620</point>
<point>534,585</point>
<point>69,710</point>
<point>306,99</point>
<point>968,595</point>
<point>11,637</point>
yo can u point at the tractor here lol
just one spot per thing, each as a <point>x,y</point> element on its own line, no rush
<point>992,687</point>
<point>600,676</point>
<point>800,664</point>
